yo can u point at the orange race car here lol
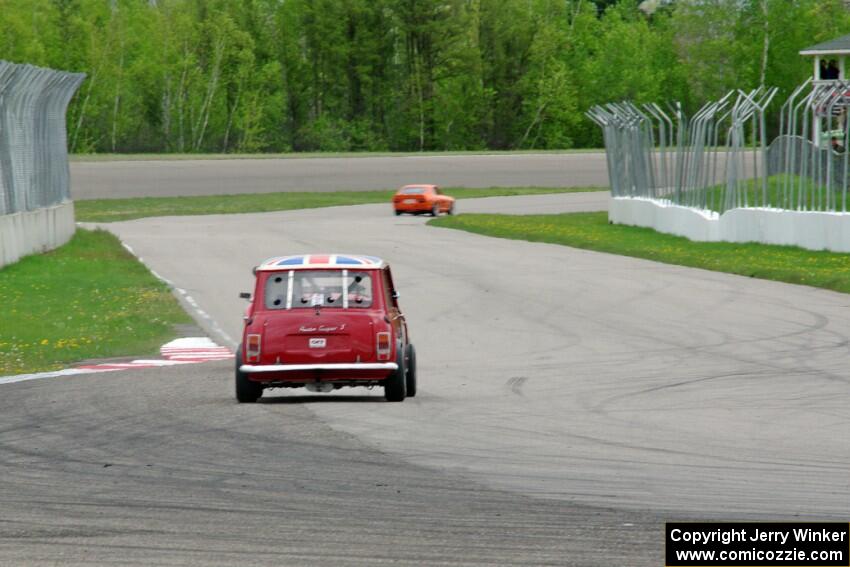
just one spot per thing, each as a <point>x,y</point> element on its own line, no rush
<point>418,199</point>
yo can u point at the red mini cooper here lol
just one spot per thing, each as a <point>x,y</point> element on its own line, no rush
<point>324,321</point>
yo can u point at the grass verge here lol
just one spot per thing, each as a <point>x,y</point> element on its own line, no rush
<point>110,210</point>
<point>781,191</point>
<point>591,231</point>
<point>87,299</point>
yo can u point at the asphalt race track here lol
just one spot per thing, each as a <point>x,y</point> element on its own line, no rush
<point>570,402</point>
<point>117,179</point>
<point>163,468</point>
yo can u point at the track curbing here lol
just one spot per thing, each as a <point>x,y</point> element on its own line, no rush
<point>186,350</point>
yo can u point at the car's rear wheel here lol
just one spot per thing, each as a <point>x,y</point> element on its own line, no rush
<point>451,210</point>
<point>395,385</point>
<point>410,365</point>
<point>397,212</point>
<point>435,210</point>
<point>247,392</point>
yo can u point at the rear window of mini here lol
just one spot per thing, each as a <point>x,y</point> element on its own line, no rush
<point>304,289</point>
<point>413,190</point>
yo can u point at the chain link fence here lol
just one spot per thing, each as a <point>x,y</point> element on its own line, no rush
<point>36,212</point>
<point>719,158</point>
<point>33,149</point>
<point>725,181</point>
<point>713,160</point>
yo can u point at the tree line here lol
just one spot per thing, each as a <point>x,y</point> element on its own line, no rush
<point>397,75</point>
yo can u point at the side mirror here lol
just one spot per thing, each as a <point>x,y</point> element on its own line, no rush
<point>254,270</point>
<point>245,295</point>
<point>395,294</point>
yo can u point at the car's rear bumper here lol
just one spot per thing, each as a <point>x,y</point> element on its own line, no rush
<point>413,208</point>
<point>294,375</point>
<point>366,366</point>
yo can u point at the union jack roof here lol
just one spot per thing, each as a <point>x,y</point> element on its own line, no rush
<point>314,261</point>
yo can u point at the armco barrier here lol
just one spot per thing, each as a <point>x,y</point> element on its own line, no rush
<point>35,231</point>
<point>806,229</point>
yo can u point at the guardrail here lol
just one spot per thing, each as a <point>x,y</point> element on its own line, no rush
<point>36,212</point>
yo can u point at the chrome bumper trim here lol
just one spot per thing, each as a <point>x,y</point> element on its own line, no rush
<point>248,368</point>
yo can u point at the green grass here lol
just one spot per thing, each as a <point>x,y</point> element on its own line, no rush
<point>783,191</point>
<point>110,210</point>
<point>302,155</point>
<point>87,299</point>
<point>591,231</point>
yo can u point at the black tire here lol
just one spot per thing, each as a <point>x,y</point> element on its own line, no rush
<point>410,365</point>
<point>395,385</point>
<point>451,210</point>
<point>435,210</point>
<point>397,213</point>
<point>247,392</point>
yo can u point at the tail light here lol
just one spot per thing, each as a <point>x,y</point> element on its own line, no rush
<point>252,348</point>
<point>384,346</point>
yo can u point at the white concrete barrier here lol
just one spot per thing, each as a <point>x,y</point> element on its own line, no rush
<point>35,231</point>
<point>811,230</point>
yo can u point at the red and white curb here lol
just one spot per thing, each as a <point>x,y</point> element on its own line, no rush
<point>190,350</point>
